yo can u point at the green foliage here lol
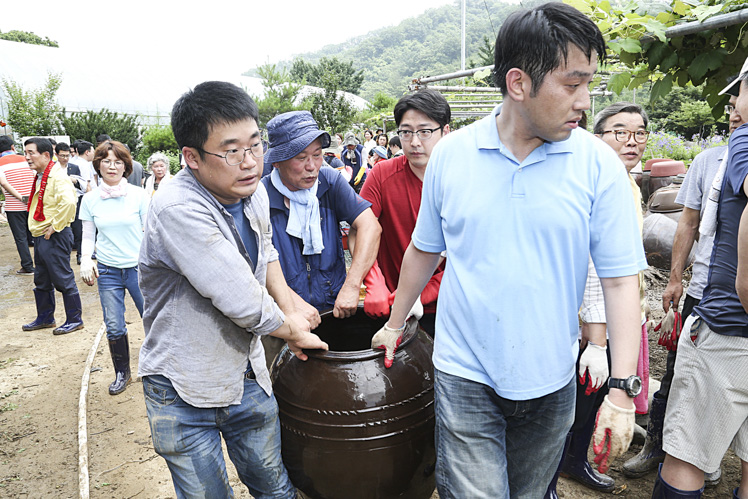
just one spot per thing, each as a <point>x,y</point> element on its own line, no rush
<point>674,146</point>
<point>33,112</point>
<point>635,32</point>
<point>485,54</point>
<point>158,139</point>
<point>684,112</point>
<point>349,80</point>
<point>27,37</point>
<point>381,106</point>
<point>428,44</point>
<point>280,93</point>
<point>87,125</point>
<point>330,108</point>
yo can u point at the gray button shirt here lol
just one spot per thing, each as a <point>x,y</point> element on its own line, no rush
<point>205,309</point>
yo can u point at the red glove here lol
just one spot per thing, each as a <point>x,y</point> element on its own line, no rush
<point>669,328</point>
<point>377,301</point>
<point>389,340</point>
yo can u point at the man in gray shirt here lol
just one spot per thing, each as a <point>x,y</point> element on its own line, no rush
<point>693,196</point>
<point>212,286</point>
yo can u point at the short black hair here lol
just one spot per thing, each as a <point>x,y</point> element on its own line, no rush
<point>6,142</point>
<point>537,41</point>
<point>395,141</point>
<point>601,118</point>
<point>62,147</point>
<point>83,146</point>
<point>102,138</point>
<point>42,145</point>
<point>209,104</point>
<point>429,102</point>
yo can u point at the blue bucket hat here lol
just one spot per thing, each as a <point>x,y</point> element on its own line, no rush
<point>291,133</point>
<point>381,151</point>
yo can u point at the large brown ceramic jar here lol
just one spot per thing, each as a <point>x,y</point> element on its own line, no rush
<point>351,428</point>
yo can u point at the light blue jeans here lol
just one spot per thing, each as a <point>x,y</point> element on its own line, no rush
<point>112,284</point>
<point>489,446</point>
<point>189,438</point>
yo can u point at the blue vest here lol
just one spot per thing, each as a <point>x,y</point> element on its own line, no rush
<point>316,278</point>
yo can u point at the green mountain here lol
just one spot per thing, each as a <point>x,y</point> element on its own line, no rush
<point>425,45</point>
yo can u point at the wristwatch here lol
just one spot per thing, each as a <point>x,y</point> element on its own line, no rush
<point>631,385</point>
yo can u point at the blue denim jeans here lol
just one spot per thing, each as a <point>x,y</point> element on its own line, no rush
<point>489,446</point>
<point>112,284</point>
<point>189,438</point>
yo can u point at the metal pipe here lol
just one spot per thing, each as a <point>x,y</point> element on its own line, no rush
<point>442,88</point>
<point>462,65</point>
<point>720,21</point>
<point>451,102</point>
<point>470,106</point>
<point>449,76</point>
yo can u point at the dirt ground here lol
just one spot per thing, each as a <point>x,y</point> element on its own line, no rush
<point>40,382</point>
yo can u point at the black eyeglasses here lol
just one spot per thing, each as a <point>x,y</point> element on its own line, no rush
<point>235,157</point>
<point>640,136</point>
<point>423,134</point>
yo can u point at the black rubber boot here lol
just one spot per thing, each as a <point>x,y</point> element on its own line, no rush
<point>120,351</point>
<point>551,492</point>
<point>651,454</point>
<point>663,490</point>
<point>45,311</point>
<point>576,465</point>
<point>73,311</point>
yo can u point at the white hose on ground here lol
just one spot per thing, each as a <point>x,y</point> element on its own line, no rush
<point>83,485</point>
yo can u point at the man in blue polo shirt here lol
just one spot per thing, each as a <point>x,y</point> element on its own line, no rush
<point>519,201</point>
<point>308,200</point>
<point>707,410</point>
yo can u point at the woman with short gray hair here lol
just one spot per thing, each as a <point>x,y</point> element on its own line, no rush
<point>158,165</point>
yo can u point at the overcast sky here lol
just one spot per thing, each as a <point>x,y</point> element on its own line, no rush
<point>229,34</point>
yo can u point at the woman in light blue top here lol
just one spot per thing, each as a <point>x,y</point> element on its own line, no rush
<point>117,211</point>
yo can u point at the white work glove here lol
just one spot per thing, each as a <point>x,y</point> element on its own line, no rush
<point>388,339</point>
<point>416,310</point>
<point>89,272</point>
<point>614,429</point>
<point>593,363</point>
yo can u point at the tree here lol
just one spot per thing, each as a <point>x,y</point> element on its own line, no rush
<point>684,112</point>
<point>27,37</point>
<point>280,93</point>
<point>485,54</point>
<point>381,106</point>
<point>87,125</point>
<point>349,80</point>
<point>159,139</point>
<point>330,108</point>
<point>635,32</point>
<point>33,112</point>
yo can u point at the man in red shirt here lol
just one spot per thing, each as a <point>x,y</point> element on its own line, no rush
<point>16,178</point>
<point>393,188</point>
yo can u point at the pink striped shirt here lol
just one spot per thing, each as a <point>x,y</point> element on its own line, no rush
<point>20,176</point>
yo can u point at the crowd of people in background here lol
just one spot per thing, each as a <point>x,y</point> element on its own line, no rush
<point>520,223</point>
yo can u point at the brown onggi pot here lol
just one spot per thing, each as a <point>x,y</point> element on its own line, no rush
<point>646,173</point>
<point>349,426</point>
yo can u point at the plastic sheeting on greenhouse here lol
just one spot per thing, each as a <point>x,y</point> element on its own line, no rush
<point>94,83</point>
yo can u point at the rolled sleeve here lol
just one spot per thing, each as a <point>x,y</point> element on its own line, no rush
<point>216,270</point>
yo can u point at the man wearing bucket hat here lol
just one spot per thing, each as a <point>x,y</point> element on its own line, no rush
<point>353,156</point>
<point>332,158</point>
<point>307,203</point>
<point>706,408</point>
